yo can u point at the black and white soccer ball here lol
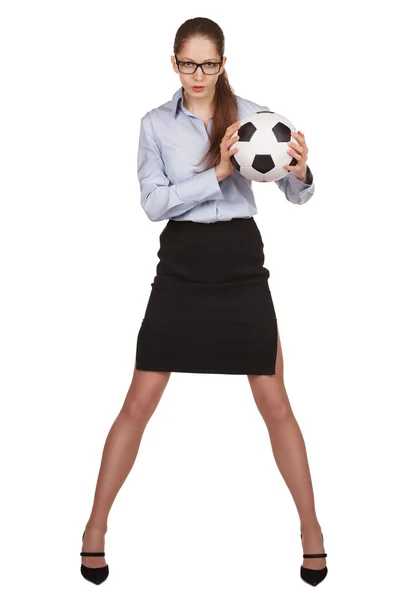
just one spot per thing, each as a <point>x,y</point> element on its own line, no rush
<point>263,145</point>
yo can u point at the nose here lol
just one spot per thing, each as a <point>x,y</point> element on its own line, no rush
<point>198,73</point>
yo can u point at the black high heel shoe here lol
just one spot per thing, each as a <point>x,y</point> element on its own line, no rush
<point>94,574</point>
<point>313,576</point>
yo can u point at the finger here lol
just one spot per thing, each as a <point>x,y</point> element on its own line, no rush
<point>297,147</point>
<point>301,143</point>
<point>225,144</point>
<point>290,168</point>
<point>230,153</point>
<point>295,154</point>
<point>232,127</point>
<point>298,150</point>
<point>299,136</point>
<point>232,140</point>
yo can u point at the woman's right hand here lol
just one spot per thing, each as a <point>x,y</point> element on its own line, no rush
<point>225,167</point>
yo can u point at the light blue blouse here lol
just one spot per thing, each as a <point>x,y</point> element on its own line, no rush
<point>171,141</point>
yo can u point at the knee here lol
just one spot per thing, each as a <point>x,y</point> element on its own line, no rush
<point>274,404</point>
<point>139,407</point>
<point>277,408</point>
<point>144,393</point>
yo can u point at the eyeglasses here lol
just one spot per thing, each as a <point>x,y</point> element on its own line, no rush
<point>208,68</point>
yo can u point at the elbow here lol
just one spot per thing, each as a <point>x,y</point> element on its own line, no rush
<point>153,216</point>
<point>306,196</point>
<point>150,214</point>
<point>153,203</point>
<point>148,207</point>
<point>303,200</point>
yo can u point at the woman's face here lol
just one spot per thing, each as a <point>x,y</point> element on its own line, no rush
<point>198,50</point>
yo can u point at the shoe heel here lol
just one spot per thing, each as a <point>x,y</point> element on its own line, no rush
<point>313,576</point>
<point>95,575</point>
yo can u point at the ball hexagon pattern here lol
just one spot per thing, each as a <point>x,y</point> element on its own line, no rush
<point>263,145</point>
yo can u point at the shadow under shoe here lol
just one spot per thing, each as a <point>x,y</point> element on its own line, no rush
<point>313,576</point>
<point>94,574</point>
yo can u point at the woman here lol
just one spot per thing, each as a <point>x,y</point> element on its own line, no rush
<point>210,309</point>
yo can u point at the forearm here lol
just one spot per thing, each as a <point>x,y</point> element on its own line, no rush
<point>162,202</point>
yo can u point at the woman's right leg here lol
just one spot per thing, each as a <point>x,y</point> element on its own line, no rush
<point>119,454</point>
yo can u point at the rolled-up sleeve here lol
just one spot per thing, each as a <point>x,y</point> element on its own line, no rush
<point>158,197</point>
<point>295,190</point>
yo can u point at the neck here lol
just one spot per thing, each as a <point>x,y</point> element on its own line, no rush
<point>204,105</point>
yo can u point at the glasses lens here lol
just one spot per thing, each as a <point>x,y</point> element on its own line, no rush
<point>210,68</point>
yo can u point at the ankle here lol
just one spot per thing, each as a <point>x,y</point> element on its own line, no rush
<point>99,526</point>
<point>309,527</point>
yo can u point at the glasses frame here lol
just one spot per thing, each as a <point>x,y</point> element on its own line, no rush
<point>178,62</point>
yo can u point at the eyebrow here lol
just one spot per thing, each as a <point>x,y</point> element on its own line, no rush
<point>191,59</point>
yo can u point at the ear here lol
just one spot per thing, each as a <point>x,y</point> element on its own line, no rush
<point>174,64</point>
<point>223,65</point>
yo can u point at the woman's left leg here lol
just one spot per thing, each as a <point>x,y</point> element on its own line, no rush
<point>289,451</point>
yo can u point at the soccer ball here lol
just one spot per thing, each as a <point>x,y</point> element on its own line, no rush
<point>263,145</point>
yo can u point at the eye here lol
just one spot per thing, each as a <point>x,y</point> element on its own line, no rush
<point>188,64</point>
<point>211,64</point>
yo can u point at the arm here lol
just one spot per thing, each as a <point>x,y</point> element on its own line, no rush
<point>295,190</point>
<point>159,198</point>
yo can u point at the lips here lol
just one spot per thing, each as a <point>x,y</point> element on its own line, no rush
<point>198,87</point>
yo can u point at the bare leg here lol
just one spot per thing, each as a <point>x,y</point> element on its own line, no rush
<point>290,454</point>
<point>119,454</point>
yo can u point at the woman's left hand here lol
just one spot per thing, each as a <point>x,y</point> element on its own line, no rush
<point>300,152</point>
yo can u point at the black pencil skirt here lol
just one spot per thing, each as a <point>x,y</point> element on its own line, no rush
<point>210,309</point>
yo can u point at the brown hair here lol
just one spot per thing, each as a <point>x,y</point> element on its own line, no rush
<point>225,103</point>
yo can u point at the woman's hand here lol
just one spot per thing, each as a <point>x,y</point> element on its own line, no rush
<point>225,167</point>
<point>300,152</point>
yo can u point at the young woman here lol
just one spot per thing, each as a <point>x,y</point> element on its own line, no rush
<point>210,309</point>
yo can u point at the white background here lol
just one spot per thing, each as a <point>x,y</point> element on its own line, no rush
<point>204,512</point>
